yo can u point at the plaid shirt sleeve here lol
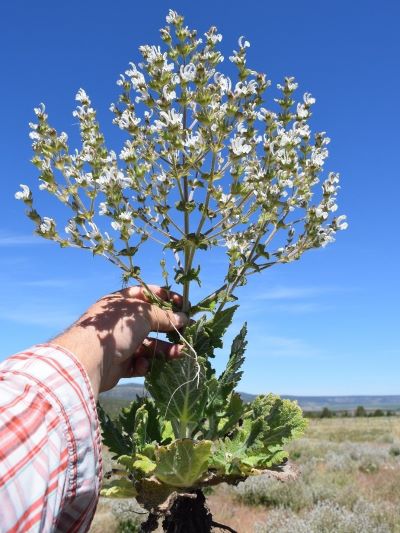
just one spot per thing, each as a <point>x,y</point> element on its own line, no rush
<point>50,445</point>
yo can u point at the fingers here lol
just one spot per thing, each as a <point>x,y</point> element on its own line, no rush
<point>140,363</point>
<point>163,320</point>
<point>154,347</point>
<point>141,293</point>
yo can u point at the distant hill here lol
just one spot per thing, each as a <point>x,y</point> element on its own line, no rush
<point>123,394</point>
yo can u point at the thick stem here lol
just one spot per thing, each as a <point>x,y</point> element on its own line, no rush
<point>188,513</point>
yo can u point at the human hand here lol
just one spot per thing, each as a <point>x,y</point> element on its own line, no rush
<point>111,338</point>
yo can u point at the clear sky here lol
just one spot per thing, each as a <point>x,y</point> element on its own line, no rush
<point>328,324</point>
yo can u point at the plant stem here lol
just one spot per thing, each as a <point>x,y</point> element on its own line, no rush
<point>187,252</point>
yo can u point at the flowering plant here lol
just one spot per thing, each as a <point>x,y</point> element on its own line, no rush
<point>205,164</point>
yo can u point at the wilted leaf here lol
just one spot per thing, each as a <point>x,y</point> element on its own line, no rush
<point>144,464</point>
<point>119,488</point>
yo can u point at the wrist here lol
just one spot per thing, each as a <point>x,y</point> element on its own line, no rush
<point>86,347</point>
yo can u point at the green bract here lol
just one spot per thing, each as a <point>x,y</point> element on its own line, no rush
<point>208,161</point>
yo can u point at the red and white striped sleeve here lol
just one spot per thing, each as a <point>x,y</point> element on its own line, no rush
<point>50,444</point>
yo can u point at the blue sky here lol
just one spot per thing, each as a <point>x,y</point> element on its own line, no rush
<point>328,324</point>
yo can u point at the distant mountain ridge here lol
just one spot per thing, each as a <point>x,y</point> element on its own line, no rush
<point>128,391</point>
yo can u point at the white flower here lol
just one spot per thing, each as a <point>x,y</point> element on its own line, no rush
<point>40,111</point>
<point>239,147</point>
<point>244,89</point>
<point>302,112</point>
<point>172,17</point>
<point>308,99</point>
<point>127,120</point>
<point>212,36</point>
<point>224,82</point>
<point>46,224</point>
<point>125,216</point>
<point>193,140</point>
<point>318,157</point>
<point>303,130</point>
<point>128,151</point>
<point>340,222</point>
<point>137,78</point>
<point>24,194</point>
<point>291,84</point>
<point>225,198</point>
<point>94,232</point>
<point>82,97</point>
<point>72,227</point>
<point>152,53</point>
<point>103,209</point>
<point>162,177</point>
<point>123,181</point>
<point>83,112</point>
<point>116,225</point>
<point>170,118</point>
<point>63,138</point>
<point>321,213</point>
<point>169,95</point>
<point>235,58</point>
<point>243,44</point>
<point>187,72</point>
<point>34,135</point>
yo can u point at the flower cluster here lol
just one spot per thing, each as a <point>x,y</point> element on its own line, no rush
<point>206,162</point>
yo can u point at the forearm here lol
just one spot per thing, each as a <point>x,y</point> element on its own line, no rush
<point>86,346</point>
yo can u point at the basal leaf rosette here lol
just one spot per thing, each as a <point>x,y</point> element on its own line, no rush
<point>195,430</point>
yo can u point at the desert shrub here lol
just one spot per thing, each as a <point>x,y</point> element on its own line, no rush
<point>129,526</point>
<point>394,451</point>
<point>326,413</point>
<point>295,495</point>
<point>328,517</point>
<point>360,411</point>
<point>378,412</point>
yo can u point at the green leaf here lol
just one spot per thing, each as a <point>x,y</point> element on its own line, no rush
<point>147,425</point>
<point>228,455</point>
<point>284,418</point>
<point>119,488</point>
<point>126,461</point>
<point>209,335</point>
<point>191,275</point>
<point>118,442</point>
<point>234,412</point>
<point>127,415</point>
<point>232,375</point>
<point>144,464</point>
<point>182,463</point>
<point>167,433</point>
<point>130,251</point>
<point>178,387</point>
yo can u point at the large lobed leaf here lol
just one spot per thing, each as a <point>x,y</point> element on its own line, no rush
<point>182,463</point>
